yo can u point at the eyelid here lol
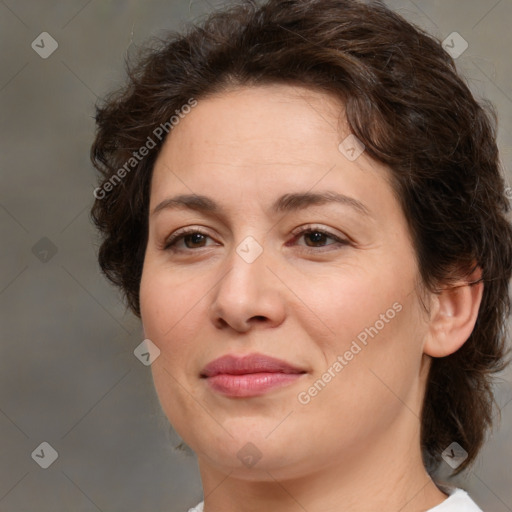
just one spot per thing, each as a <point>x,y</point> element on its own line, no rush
<point>180,233</point>
<point>314,227</point>
<point>297,232</point>
<point>311,228</point>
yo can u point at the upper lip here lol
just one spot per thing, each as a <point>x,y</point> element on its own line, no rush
<point>252,363</point>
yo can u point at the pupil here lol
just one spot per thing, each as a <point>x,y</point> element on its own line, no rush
<point>196,238</point>
<point>316,236</point>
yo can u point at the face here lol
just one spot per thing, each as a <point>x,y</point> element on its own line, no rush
<point>263,265</point>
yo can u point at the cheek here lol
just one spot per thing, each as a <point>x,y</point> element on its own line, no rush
<point>352,303</point>
<point>171,309</point>
<point>169,303</point>
<point>374,343</point>
<point>168,313</point>
<point>156,303</point>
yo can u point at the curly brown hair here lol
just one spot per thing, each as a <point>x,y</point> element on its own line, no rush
<point>404,100</point>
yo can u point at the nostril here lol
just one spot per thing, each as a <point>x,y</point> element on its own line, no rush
<point>222,323</point>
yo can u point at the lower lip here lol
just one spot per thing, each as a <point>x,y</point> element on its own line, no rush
<point>250,384</point>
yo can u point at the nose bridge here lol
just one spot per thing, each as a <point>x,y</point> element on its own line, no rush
<point>247,289</point>
<point>247,264</point>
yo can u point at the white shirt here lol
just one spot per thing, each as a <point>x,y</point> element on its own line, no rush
<point>457,501</point>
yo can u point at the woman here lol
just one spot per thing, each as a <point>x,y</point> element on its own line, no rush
<point>303,203</point>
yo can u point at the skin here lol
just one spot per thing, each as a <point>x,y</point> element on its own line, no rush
<point>356,445</point>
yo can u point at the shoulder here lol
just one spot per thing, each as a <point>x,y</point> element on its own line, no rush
<point>197,508</point>
<point>457,501</point>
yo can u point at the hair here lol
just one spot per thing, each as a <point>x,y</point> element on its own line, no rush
<point>402,97</point>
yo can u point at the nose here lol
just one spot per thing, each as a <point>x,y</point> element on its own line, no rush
<point>248,295</point>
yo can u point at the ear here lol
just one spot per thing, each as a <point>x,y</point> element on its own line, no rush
<point>453,315</point>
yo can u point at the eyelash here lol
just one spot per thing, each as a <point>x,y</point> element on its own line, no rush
<point>180,235</point>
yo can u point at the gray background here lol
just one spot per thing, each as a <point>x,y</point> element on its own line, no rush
<point>68,375</point>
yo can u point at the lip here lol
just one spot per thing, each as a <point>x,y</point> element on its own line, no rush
<point>250,375</point>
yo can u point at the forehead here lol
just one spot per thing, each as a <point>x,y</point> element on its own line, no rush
<point>260,140</point>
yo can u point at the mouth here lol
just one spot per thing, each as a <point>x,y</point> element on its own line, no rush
<point>251,375</point>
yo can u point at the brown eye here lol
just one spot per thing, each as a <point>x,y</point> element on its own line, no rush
<point>195,239</point>
<point>318,238</point>
<point>186,239</point>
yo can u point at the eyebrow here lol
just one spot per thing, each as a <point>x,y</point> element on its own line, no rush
<point>285,203</point>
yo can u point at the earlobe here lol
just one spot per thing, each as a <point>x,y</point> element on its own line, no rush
<point>454,315</point>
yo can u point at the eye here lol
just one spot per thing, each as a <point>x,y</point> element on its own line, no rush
<point>316,238</point>
<point>191,237</point>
